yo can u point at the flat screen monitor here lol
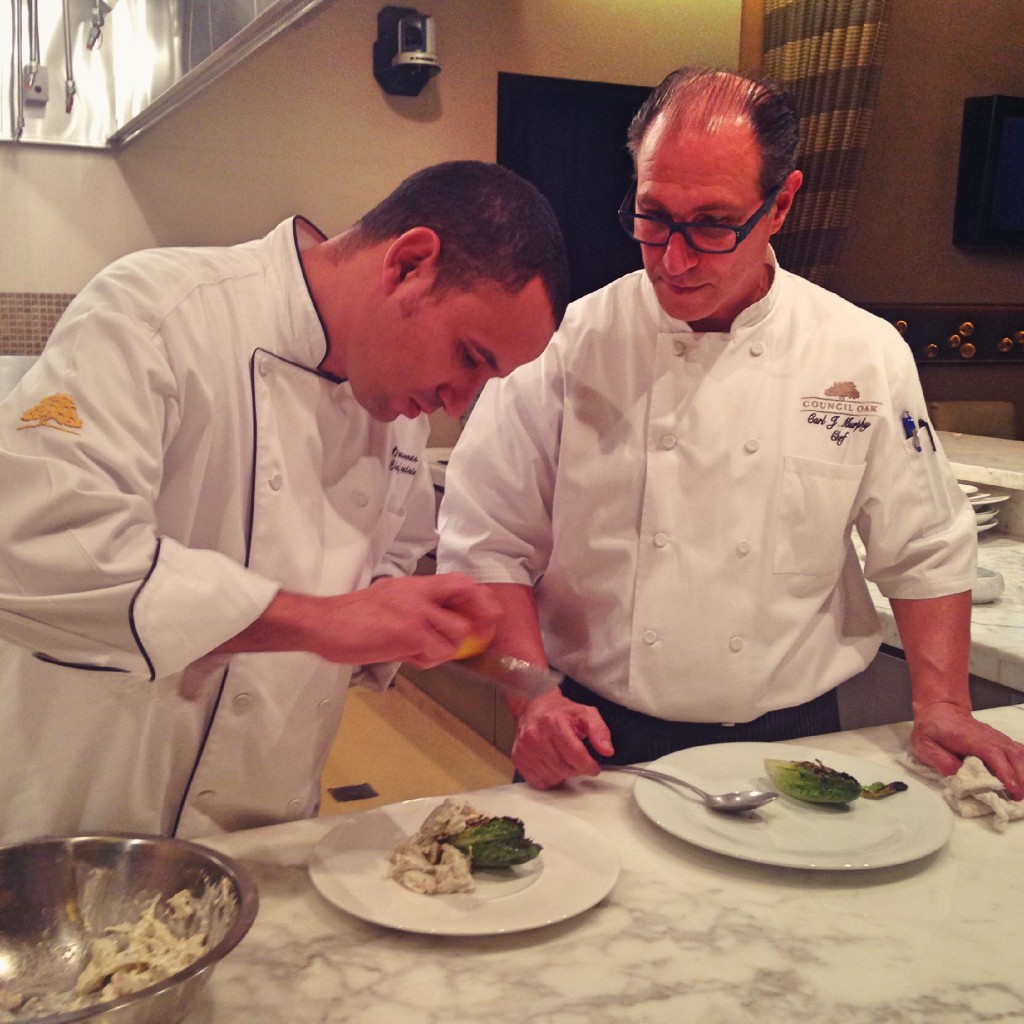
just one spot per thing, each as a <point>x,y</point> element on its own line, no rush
<point>990,183</point>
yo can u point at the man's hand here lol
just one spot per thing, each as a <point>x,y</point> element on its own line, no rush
<point>418,619</point>
<point>944,734</point>
<point>549,747</point>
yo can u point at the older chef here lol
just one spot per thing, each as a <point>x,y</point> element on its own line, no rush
<point>670,488</point>
<point>212,478</point>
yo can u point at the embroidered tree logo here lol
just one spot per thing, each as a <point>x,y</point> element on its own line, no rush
<point>843,389</point>
<point>56,411</point>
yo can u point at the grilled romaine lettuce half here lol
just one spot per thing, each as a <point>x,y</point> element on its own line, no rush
<point>495,843</point>
<point>812,781</point>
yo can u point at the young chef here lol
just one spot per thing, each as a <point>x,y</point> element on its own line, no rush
<point>663,501</point>
<point>217,454</point>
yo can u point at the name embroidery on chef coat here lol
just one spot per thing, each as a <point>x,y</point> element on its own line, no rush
<point>56,411</point>
<point>403,462</point>
<point>840,411</point>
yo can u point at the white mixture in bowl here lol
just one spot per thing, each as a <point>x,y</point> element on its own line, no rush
<point>169,935</point>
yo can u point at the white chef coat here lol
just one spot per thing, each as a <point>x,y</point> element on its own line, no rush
<point>197,462</point>
<point>683,503</point>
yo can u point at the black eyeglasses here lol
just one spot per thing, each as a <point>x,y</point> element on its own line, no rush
<point>702,236</point>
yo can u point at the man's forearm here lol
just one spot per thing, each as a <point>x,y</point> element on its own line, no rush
<point>518,631</point>
<point>283,626</point>
<point>936,636</point>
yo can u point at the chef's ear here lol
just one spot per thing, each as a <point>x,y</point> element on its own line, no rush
<point>411,261</point>
<point>784,200</point>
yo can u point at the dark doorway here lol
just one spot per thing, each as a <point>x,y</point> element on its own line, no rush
<point>568,137</point>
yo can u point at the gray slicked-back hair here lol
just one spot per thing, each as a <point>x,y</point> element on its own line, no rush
<point>703,98</point>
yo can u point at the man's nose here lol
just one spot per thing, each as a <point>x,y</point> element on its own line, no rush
<point>457,398</point>
<point>678,255</point>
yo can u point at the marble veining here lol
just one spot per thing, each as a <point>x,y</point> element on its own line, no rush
<point>685,935</point>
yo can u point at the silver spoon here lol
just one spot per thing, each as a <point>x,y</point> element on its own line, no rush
<point>725,802</point>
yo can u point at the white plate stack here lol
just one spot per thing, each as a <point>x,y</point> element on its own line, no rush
<point>985,505</point>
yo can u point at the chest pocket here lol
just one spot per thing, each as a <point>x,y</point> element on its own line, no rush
<point>815,511</point>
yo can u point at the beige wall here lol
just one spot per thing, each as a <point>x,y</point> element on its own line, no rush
<point>303,127</point>
<point>900,248</point>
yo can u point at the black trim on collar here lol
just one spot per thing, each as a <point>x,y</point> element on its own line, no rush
<point>312,297</point>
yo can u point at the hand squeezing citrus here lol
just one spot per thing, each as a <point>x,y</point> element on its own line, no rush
<point>472,645</point>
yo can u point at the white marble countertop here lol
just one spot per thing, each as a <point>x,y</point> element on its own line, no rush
<point>985,460</point>
<point>685,934</point>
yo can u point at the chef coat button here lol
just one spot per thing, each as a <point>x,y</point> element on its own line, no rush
<point>660,540</point>
<point>264,367</point>
<point>360,499</point>
<point>743,548</point>
<point>294,806</point>
<point>752,445</point>
<point>205,795</point>
<point>650,637</point>
<point>276,482</point>
<point>326,704</point>
<point>736,644</point>
<point>668,441</point>
<point>757,349</point>
<point>242,700</point>
<point>680,346</point>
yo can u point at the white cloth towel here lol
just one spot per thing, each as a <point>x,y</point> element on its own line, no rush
<point>974,792</point>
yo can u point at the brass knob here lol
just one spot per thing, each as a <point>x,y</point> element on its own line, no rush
<point>932,350</point>
<point>967,349</point>
<point>1005,345</point>
<point>966,328</point>
<point>901,326</point>
<point>1019,337</point>
<point>954,341</point>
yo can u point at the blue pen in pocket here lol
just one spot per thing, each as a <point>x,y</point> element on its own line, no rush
<point>910,429</point>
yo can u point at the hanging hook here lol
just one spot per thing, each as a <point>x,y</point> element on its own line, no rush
<point>100,10</point>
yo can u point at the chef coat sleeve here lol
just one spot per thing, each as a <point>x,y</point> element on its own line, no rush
<point>84,579</point>
<point>917,526</point>
<point>495,517</point>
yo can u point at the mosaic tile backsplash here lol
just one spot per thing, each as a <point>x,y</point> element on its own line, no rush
<point>27,318</point>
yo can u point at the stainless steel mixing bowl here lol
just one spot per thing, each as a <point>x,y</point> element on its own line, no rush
<point>58,894</point>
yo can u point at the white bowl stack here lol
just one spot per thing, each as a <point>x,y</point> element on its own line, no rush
<point>985,505</point>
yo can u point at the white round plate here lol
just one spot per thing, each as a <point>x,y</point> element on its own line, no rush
<point>986,526</point>
<point>576,869</point>
<point>985,517</point>
<point>983,500</point>
<point>793,833</point>
<point>968,488</point>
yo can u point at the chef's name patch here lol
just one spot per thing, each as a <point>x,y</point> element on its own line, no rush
<point>840,411</point>
<point>403,462</point>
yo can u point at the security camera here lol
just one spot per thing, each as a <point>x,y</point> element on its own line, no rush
<point>405,52</point>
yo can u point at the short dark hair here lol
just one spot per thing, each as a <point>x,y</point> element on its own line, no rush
<point>693,96</point>
<point>493,225</point>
